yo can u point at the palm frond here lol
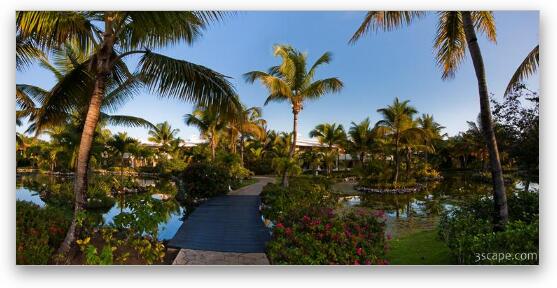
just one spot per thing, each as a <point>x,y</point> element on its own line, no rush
<point>321,87</point>
<point>384,21</point>
<point>125,120</point>
<point>50,29</point>
<point>484,22</point>
<point>450,42</point>
<point>25,52</point>
<point>528,67</point>
<point>187,81</point>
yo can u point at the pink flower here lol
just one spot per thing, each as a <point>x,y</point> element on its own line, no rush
<point>389,236</point>
<point>359,251</point>
<point>280,226</point>
<point>306,218</point>
<point>357,262</point>
<point>288,231</point>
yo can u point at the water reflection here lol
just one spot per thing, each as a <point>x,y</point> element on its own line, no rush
<point>410,212</point>
<point>142,212</point>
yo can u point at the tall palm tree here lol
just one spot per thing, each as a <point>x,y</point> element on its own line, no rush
<point>210,123</point>
<point>163,134</point>
<point>397,123</point>
<point>528,67</point>
<point>292,81</point>
<point>456,30</point>
<point>109,37</point>
<point>330,135</point>
<point>361,138</point>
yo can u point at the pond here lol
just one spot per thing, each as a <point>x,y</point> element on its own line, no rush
<point>147,209</point>
<point>408,213</point>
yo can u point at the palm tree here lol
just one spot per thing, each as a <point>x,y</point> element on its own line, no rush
<point>456,30</point>
<point>398,124</point>
<point>163,134</point>
<point>528,67</point>
<point>330,135</point>
<point>121,144</point>
<point>108,37</point>
<point>431,129</point>
<point>247,122</point>
<point>361,138</point>
<point>210,123</point>
<point>292,81</point>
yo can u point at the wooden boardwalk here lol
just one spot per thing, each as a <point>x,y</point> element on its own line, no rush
<point>230,223</point>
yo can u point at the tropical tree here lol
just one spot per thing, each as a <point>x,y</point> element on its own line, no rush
<point>456,30</point>
<point>397,123</point>
<point>330,135</point>
<point>210,123</point>
<point>247,122</point>
<point>528,67</point>
<point>292,81</point>
<point>361,138</point>
<point>163,134</point>
<point>109,37</point>
<point>121,144</point>
<point>431,129</point>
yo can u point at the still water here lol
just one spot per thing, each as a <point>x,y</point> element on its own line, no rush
<point>146,208</point>
<point>408,213</point>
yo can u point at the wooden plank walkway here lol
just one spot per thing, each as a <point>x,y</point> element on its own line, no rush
<point>230,223</point>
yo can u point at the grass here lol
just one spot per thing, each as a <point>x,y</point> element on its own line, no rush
<point>245,183</point>
<point>420,248</point>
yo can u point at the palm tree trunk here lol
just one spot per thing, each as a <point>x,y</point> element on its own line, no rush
<point>102,69</point>
<point>292,145</point>
<point>242,149</point>
<point>397,160</point>
<point>80,185</point>
<point>501,214</point>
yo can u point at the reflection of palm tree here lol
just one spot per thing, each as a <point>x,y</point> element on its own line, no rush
<point>456,30</point>
<point>291,81</point>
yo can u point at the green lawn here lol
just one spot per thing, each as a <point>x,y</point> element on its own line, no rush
<point>420,248</point>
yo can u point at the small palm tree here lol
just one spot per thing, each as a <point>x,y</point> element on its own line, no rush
<point>330,135</point>
<point>398,124</point>
<point>361,138</point>
<point>247,122</point>
<point>431,129</point>
<point>292,81</point>
<point>210,123</point>
<point>456,31</point>
<point>163,134</point>
<point>121,144</point>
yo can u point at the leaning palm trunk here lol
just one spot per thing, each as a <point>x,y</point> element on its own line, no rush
<point>102,69</point>
<point>80,186</point>
<point>501,214</point>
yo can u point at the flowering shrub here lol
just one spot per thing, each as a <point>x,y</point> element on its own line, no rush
<point>39,232</point>
<point>355,238</point>
<point>309,231</point>
<point>468,231</point>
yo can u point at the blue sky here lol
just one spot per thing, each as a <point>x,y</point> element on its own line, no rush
<point>375,70</point>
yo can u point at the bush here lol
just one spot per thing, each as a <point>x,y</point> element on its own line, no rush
<point>261,166</point>
<point>427,173</point>
<point>326,238</point>
<point>205,180</point>
<point>304,196</point>
<point>468,231</point>
<point>309,232</point>
<point>39,232</point>
<point>98,196</point>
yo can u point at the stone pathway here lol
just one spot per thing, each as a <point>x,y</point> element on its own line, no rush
<point>225,230</point>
